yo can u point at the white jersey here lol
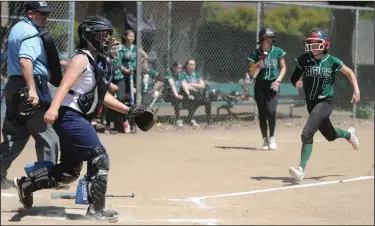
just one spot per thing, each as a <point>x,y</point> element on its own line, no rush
<point>84,84</point>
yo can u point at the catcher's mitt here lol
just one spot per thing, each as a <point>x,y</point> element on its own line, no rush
<point>144,117</point>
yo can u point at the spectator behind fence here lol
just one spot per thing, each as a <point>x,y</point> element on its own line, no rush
<point>117,88</point>
<point>152,81</point>
<point>195,92</point>
<point>172,91</point>
<point>129,61</point>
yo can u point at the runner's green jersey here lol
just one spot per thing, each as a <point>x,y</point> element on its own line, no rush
<point>318,75</point>
<point>271,65</point>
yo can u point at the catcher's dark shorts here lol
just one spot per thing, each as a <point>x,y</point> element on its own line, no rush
<point>78,137</point>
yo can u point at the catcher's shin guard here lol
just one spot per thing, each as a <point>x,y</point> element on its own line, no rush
<point>97,176</point>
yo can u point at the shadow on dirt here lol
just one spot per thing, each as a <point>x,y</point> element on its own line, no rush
<point>46,211</point>
<point>290,181</point>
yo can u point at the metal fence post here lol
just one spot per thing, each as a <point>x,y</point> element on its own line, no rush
<point>356,54</point>
<point>169,34</point>
<point>139,46</point>
<point>72,13</point>
<point>259,11</point>
<point>258,22</point>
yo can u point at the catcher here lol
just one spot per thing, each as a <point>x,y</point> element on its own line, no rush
<point>82,92</point>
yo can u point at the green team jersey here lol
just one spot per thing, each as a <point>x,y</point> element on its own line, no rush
<point>129,55</point>
<point>176,79</point>
<point>116,64</point>
<point>271,67</point>
<point>193,78</point>
<point>152,78</point>
<point>318,75</point>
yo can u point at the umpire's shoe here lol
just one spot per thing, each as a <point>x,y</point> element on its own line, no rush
<point>25,198</point>
<point>6,183</point>
<point>110,215</point>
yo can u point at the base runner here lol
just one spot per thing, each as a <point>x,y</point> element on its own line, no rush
<point>319,69</point>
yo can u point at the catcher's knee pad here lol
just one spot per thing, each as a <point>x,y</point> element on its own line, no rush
<point>71,174</point>
<point>97,175</point>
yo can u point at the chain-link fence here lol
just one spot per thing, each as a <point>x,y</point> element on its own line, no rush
<point>58,25</point>
<point>219,37</point>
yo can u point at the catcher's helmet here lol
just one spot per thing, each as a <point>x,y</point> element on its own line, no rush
<point>97,32</point>
<point>266,32</point>
<point>318,40</point>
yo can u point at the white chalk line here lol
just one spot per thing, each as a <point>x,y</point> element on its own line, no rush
<point>199,200</point>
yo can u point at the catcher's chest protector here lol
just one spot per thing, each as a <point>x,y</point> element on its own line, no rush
<point>103,76</point>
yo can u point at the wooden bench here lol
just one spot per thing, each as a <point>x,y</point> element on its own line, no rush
<point>289,95</point>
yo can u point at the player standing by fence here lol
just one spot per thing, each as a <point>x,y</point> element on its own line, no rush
<point>319,69</point>
<point>267,67</point>
<point>129,61</point>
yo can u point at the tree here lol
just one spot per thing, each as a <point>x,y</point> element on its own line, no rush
<point>294,20</point>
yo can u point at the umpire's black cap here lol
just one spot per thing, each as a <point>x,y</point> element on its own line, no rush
<point>39,6</point>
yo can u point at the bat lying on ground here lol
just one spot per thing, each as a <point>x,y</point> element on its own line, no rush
<point>73,196</point>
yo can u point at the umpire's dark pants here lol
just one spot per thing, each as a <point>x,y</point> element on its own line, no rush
<point>318,120</point>
<point>266,100</point>
<point>16,135</point>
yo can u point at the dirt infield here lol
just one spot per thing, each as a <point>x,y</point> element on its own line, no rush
<point>165,168</point>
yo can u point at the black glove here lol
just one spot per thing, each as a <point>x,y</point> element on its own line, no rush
<point>144,117</point>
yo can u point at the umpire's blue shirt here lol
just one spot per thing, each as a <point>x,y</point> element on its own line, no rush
<point>24,42</point>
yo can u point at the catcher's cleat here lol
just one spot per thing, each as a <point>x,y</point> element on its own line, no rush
<point>110,215</point>
<point>353,139</point>
<point>26,199</point>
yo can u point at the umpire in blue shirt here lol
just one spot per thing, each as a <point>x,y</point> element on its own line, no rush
<point>27,67</point>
